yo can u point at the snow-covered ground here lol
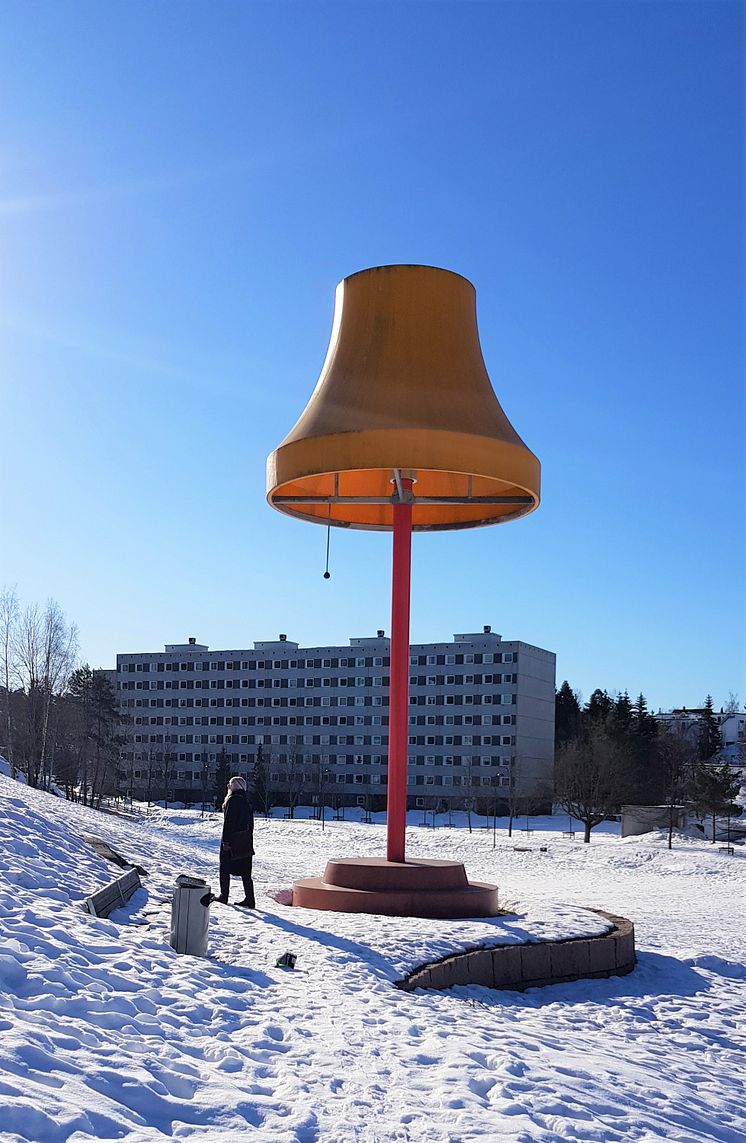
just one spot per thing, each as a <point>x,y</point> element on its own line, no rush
<point>106,1034</point>
<point>6,768</point>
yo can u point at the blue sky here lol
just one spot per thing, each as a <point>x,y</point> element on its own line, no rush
<point>183,184</point>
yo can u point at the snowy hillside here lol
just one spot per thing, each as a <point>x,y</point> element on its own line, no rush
<point>107,1034</point>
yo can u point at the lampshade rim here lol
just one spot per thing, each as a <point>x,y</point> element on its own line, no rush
<point>519,482</point>
<point>404,454</point>
<point>452,526</point>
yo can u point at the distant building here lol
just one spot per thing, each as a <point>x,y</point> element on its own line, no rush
<point>645,819</point>
<point>481,718</point>
<point>687,723</point>
<point>733,735</point>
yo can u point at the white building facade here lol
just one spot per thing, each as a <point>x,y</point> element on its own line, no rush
<point>687,724</point>
<point>481,720</point>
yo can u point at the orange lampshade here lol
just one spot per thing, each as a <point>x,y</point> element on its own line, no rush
<point>404,387</point>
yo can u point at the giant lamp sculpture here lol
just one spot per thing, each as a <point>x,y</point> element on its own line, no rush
<point>403,433</point>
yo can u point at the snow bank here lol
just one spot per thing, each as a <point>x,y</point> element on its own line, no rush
<point>5,771</point>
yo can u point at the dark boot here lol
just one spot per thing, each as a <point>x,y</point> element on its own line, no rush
<point>225,888</point>
<point>248,888</point>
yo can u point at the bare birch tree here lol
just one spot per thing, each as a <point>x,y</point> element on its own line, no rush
<point>28,660</point>
<point>9,615</point>
<point>59,649</point>
<point>520,790</point>
<point>45,648</point>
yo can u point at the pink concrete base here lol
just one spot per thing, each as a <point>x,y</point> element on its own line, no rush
<point>396,889</point>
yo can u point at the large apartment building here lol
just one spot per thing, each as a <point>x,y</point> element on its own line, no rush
<point>481,721</point>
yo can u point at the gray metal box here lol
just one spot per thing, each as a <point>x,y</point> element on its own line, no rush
<point>190,916</point>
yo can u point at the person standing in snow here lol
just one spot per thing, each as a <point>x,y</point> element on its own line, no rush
<point>236,843</point>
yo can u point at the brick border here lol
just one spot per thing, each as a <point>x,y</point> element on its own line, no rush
<point>533,965</point>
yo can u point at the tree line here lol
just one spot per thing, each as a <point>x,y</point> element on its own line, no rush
<point>60,723</point>
<point>612,752</point>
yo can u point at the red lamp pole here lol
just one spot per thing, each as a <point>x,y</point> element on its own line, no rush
<point>396,817</point>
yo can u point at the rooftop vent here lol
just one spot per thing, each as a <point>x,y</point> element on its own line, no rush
<point>379,633</point>
<point>487,629</point>
<point>192,640</point>
<point>283,638</point>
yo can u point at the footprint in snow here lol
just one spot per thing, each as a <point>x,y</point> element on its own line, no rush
<point>511,1089</point>
<point>250,1113</point>
<point>308,1132</point>
<point>481,1087</point>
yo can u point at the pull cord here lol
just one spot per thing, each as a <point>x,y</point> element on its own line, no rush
<point>327,573</point>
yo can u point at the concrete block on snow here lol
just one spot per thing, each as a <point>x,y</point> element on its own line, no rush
<point>535,962</point>
<point>506,966</point>
<point>602,954</point>
<point>570,958</point>
<point>624,941</point>
<point>480,968</point>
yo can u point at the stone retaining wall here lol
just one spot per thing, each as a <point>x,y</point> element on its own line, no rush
<point>534,965</point>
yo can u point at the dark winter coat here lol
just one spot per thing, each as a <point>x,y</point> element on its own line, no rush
<point>237,816</point>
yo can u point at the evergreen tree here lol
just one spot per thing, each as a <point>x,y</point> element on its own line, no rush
<point>568,718</point>
<point>222,774</point>
<point>260,787</point>
<point>619,720</point>
<point>599,707</point>
<point>709,735</point>
<point>640,712</point>
<point>643,741</point>
<point>92,697</point>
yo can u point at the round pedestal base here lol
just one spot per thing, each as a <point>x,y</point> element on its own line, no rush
<point>396,889</point>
